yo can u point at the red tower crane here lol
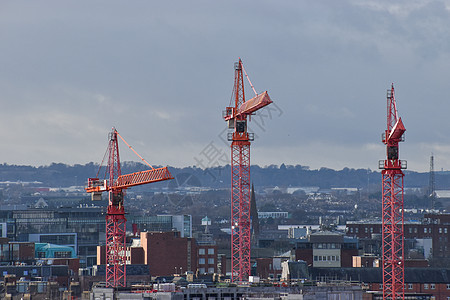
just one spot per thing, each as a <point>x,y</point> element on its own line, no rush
<point>392,204</point>
<point>115,216</point>
<point>236,116</point>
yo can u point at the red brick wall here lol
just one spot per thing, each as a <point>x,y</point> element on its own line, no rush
<point>347,257</point>
<point>167,253</point>
<point>137,256</point>
<point>304,254</point>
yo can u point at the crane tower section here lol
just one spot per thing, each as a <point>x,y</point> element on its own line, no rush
<point>115,185</point>
<point>236,116</point>
<point>392,204</point>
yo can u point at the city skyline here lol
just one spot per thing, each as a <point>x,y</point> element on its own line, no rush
<point>162,73</point>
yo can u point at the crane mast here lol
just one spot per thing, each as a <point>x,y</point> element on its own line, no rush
<point>236,116</point>
<point>392,204</point>
<point>115,215</point>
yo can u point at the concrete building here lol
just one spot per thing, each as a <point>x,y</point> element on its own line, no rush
<point>327,249</point>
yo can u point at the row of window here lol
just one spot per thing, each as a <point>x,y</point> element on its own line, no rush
<point>326,246</point>
<point>426,286</point>
<point>203,270</point>
<point>326,258</point>
<point>201,261</point>
<point>410,229</point>
<point>201,251</point>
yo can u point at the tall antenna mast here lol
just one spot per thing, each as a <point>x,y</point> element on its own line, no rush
<point>432,183</point>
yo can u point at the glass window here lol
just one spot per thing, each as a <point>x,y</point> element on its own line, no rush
<point>425,286</point>
<point>210,270</point>
<point>201,270</point>
<point>410,286</point>
<point>424,230</point>
<point>445,230</point>
<point>211,251</point>
<point>356,229</point>
<point>201,251</point>
<point>440,230</point>
<point>201,261</point>
<point>432,286</point>
<point>210,261</point>
<point>448,286</point>
<point>315,258</point>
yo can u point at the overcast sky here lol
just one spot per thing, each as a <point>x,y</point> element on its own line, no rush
<point>161,72</point>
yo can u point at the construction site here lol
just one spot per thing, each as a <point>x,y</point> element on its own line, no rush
<point>161,258</point>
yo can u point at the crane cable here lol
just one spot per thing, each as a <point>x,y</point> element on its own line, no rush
<point>134,151</point>
<point>248,78</point>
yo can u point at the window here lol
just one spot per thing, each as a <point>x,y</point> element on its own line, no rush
<point>424,230</point>
<point>210,261</point>
<point>211,251</point>
<point>410,286</point>
<point>371,229</point>
<point>351,229</point>
<point>415,230</point>
<point>337,258</point>
<point>448,286</point>
<point>201,270</point>
<point>210,270</point>
<point>440,230</point>
<point>63,254</point>
<point>366,230</point>
<point>432,286</point>
<point>356,229</point>
<point>201,261</point>
<point>201,251</point>
<point>445,230</point>
<point>328,258</point>
<point>425,286</point>
<point>410,230</point>
<point>316,258</point>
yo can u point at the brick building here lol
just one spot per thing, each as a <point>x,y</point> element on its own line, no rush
<point>434,228</point>
<point>16,252</point>
<point>167,253</point>
<point>269,268</point>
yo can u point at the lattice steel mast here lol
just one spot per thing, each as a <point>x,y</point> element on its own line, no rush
<point>236,116</point>
<point>392,205</point>
<point>115,216</point>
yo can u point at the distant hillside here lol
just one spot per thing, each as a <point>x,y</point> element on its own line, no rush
<point>61,175</point>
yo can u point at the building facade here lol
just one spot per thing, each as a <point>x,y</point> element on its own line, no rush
<point>327,249</point>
